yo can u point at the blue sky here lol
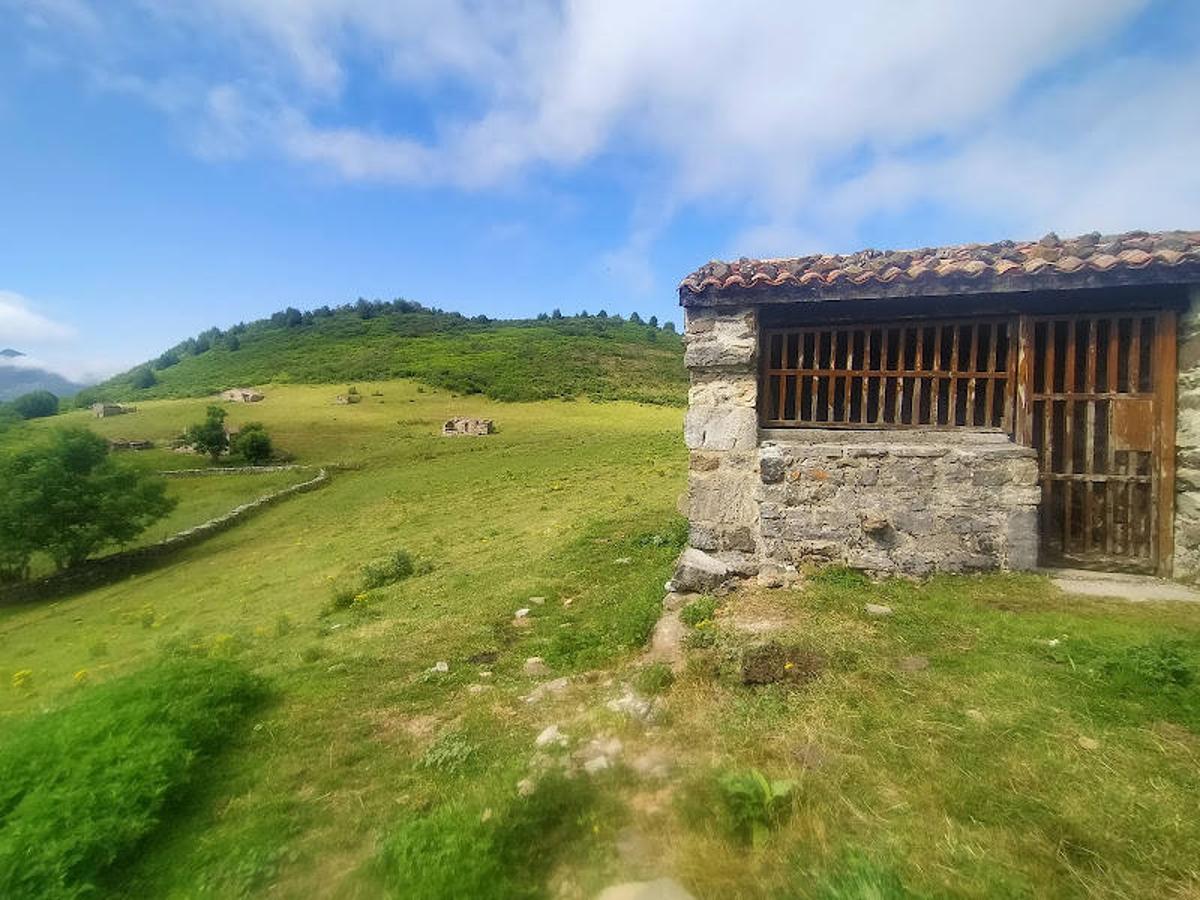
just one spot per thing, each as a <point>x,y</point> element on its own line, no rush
<point>165,167</point>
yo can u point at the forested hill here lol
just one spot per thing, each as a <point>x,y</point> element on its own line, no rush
<point>601,357</point>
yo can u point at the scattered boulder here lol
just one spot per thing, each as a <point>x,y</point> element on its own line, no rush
<point>521,613</point>
<point>600,753</point>
<point>633,706</point>
<point>526,786</point>
<point>697,572</point>
<point>440,666</point>
<point>546,689</point>
<point>535,666</point>
<point>877,610</point>
<point>550,737</point>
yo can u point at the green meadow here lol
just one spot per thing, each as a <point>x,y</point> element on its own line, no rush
<point>264,713</point>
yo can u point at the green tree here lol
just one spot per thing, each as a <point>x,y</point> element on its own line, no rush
<point>252,444</point>
<point>143,378</point>
<point>209,436</point>
<point>36,405</point>
<point>67,497</point>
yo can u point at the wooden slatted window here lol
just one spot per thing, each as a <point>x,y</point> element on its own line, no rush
<point>952,374</point>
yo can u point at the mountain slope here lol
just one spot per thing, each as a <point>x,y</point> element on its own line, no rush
<point>17,380</point>
<point>602,358</point>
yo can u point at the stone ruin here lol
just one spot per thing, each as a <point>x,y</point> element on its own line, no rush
<point>461,425</point>
<point>347,399</point>
<point>105,410</point>
<point>118,444</point>
<point>242,395</point>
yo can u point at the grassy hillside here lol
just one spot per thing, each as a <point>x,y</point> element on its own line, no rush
<point>599,358</point>
<point>990,738</point>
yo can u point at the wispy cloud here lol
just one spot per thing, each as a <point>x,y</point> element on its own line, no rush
<point>808,119</point>
<point>22,325</point>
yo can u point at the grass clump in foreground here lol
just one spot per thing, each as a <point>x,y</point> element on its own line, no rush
<point>82,785</point>
<point>458,852</point>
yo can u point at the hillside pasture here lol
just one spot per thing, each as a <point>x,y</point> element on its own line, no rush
<point>990,737</point>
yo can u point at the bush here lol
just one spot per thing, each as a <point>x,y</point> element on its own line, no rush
<point>209,436</point>
<point>1155,665</point>
<point>82,786</point>
<point>252,444</point>
<point>699,610</point>
<point>396,567</point>
<point>35,405</point>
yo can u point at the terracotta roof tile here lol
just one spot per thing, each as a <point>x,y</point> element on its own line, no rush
<point>1090,260</point>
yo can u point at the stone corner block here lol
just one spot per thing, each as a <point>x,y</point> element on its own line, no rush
<point>717,428</point>
<point>697,572</point>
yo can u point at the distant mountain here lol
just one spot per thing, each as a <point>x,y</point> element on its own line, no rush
<point>601,357</point>
<point>17,380</point>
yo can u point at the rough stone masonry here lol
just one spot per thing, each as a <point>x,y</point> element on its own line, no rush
<point>879,501</point>
<point>1187,441</point>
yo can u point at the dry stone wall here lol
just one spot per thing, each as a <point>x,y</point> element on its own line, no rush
<point>1187,462</point>
<point>886,505</point>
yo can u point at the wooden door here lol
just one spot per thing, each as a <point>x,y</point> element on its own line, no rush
<point>1097,402</point>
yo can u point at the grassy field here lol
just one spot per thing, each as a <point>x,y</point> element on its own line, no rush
<point>990,738</point>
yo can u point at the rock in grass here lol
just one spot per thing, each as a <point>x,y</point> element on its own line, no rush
<point>440,666</point>
<point>557,686</point>
<point>521,613</point>
<point>913,663</point>
<point>878,610</point>
<point>550,737</point>
<point>630,704</point>
<point>535,666</point>
<point>697,572</point>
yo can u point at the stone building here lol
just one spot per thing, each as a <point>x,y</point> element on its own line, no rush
<point>462,425</point>
<point>996,406</point>
<point>242,395</point>
<point>107,410</point>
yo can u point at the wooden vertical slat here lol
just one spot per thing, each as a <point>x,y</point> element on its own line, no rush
<point>868,334</point>
<point>849,360</point>
<point>1023,407</point>
<point>1069,436</point>
<point>1135,355</point>
<point>918,366</point>
<point>900,347</point>
<point>989,393</point>
<point>1113,368</point>
<point>935,382</point>
<point>1089,387</point>
<point>972,363</point>
<point>1164,384</point>
<point>952,397</point>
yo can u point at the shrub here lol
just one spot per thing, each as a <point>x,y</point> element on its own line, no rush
<point>252,444</point>
<point>343,598</point>
<point>699,610</point>
<point>135,744</point>
<point>839,576</point>
<point>395,567</point>
<point>754,804</point>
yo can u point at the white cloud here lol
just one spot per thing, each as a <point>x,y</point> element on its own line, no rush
<point>21,325</point>
<point>758,107</point>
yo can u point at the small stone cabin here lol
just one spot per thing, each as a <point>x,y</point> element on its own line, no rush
<point>995,406</point>
<point>241,395</point>
<point>462,425</point>
<point>106,410</point>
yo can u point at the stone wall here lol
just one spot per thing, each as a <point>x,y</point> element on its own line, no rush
<point>1187,464</point>
<point>721,432</point>
<point>889,503</point>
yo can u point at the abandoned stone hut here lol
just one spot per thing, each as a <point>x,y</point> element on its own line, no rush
<point>242,395</point>
<point>997,406</point>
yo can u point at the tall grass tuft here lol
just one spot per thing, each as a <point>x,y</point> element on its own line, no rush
<point>80,786</point>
